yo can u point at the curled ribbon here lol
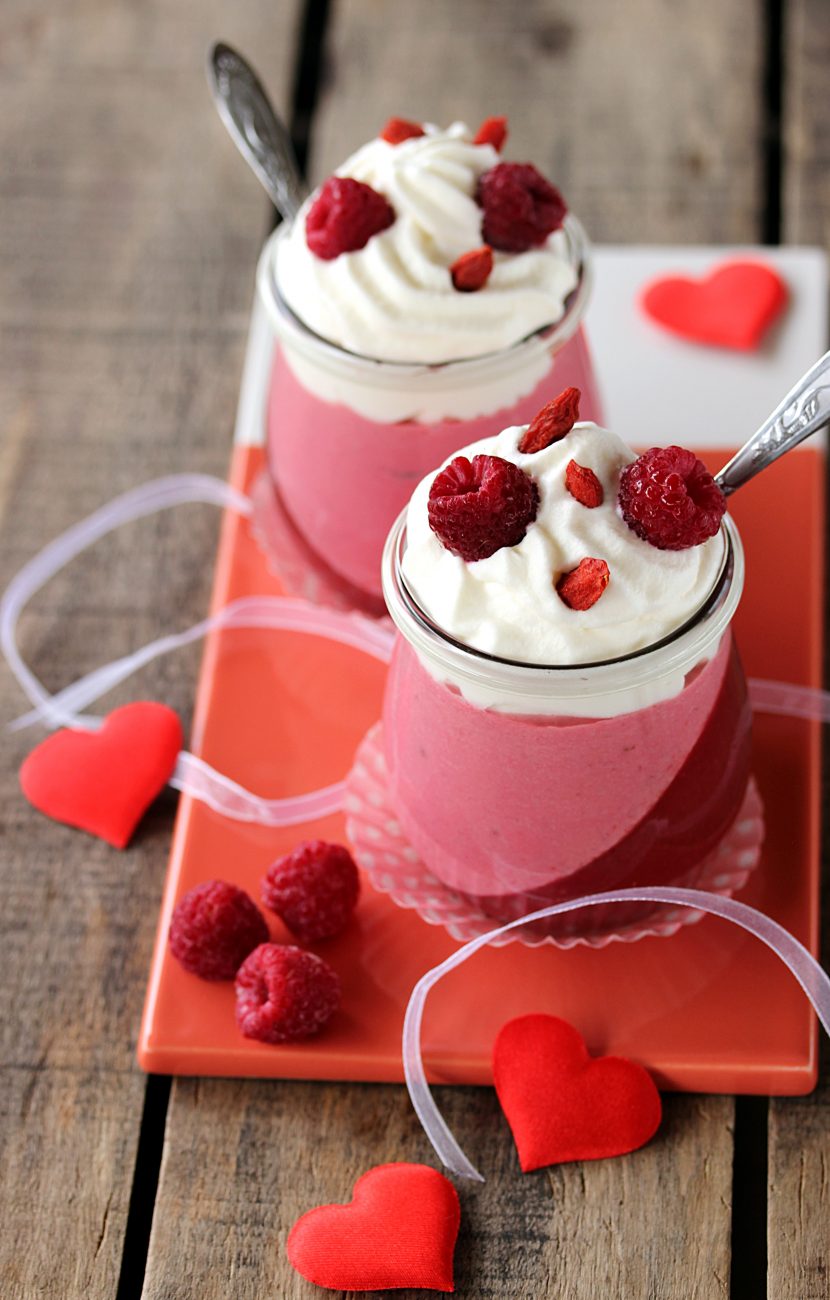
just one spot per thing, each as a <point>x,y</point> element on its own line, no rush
<point>192,774</point>
<point>793,954</point>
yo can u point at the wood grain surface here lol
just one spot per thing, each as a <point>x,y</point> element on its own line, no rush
<point>647,115</point>
<point>128,238</point>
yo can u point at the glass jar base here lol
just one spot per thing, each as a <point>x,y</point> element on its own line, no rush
<point>394,868</point>
<point>299,569</point>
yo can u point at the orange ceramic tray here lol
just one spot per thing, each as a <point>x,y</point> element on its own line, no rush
<point>708,1009</point>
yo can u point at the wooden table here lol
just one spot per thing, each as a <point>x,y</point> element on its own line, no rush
<point>128,240</point>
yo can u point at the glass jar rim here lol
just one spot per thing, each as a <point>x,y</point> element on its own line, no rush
<point>288,324</point>
<point>679,650</point>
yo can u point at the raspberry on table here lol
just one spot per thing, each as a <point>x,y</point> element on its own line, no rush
<point>583,586</point>
<point>284,993</point>
<point>344,216</point>
<point>398,129</point>
<point>555,419</point>
<point>477,507</point>
<point>471,271</point>
<point>583,485</point>
<point>521,208</point>
<point>213,928</point>
<point>313,889</point>
<point>493,130</point>
<point>668,497</point>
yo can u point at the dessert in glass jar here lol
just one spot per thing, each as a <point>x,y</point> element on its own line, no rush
<point>566,711</point>
<point>425,296</point>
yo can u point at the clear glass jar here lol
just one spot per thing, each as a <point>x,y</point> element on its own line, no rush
<point>520,785</point>
<point>349,437</point>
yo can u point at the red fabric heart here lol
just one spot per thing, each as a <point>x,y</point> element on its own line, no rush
<point>562,1104</point>
<point>732,307</point>
<point>103,781</point>
<point>398,1230</point>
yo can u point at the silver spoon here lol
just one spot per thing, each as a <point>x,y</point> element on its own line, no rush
<point>804,410</point>
<point>256,129</point>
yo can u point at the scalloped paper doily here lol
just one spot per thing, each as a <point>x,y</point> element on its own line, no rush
<point>394,867</point>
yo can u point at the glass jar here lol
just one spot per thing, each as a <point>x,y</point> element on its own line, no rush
<point>349,437</point>
<point>520,785</point>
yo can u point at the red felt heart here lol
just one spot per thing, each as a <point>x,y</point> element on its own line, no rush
<point>103,781</point>
<point>732,307</point>
<point>398,1230</point>
<point>562,1104</point>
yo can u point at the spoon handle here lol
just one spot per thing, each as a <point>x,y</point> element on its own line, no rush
<point>804,410</point>
<point>260,136</point>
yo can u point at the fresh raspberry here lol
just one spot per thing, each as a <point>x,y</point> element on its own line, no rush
<point>213,928</point>
<point>397,130</point>
<point>583,484</point>
<point>344,216</point>
<point>314,889</point>
<point>471,270</point>
<point>669,498</point>
<point>493,130</point>
<point>583,586</point>
<point>551,423</point>
<point>477,507</point>
<point>521,208</point>
<point>284,993</point>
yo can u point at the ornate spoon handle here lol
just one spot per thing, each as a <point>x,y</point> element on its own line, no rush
<point>804,410</point>
<point>257,131</point>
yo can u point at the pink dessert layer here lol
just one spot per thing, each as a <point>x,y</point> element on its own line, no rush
<point>344,479</point>
<point>516,811</point>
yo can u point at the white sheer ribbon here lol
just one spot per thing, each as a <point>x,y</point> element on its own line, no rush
<point>793,954</point>
<point>192,774</point>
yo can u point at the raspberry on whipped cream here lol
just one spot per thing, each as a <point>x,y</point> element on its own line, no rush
<point>670,499</point>
<point>477,507</point>
<point>344,217</point>
<point>521,208</point>
<point>522,601</point>
<point>392,297</point>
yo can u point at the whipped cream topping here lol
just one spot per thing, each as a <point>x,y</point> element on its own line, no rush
<point>393,300</point>
<point>507,604</point>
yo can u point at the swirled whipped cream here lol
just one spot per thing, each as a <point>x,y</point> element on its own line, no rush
<point>394,299</point>
<point>508,605</point>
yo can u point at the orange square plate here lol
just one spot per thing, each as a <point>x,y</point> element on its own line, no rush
<point>708,1009</point>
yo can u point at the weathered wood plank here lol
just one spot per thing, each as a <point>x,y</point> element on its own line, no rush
<point>127,247</point>
<point>648,115</point>
<point>806,128</point>
<point>254,1156</point>
<point>799,1197</point>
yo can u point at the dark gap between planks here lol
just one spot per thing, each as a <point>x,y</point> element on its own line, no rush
<point>308,80</point>
<point>748,1271</point>
<point>305,94</point>
<point>145,1185</point>
<point>772,150</point>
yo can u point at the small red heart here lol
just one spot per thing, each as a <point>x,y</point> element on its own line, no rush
<point>104,781</point>
<point>561,1103</point>
<point>398,1230</point>
<point>732,307</point>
